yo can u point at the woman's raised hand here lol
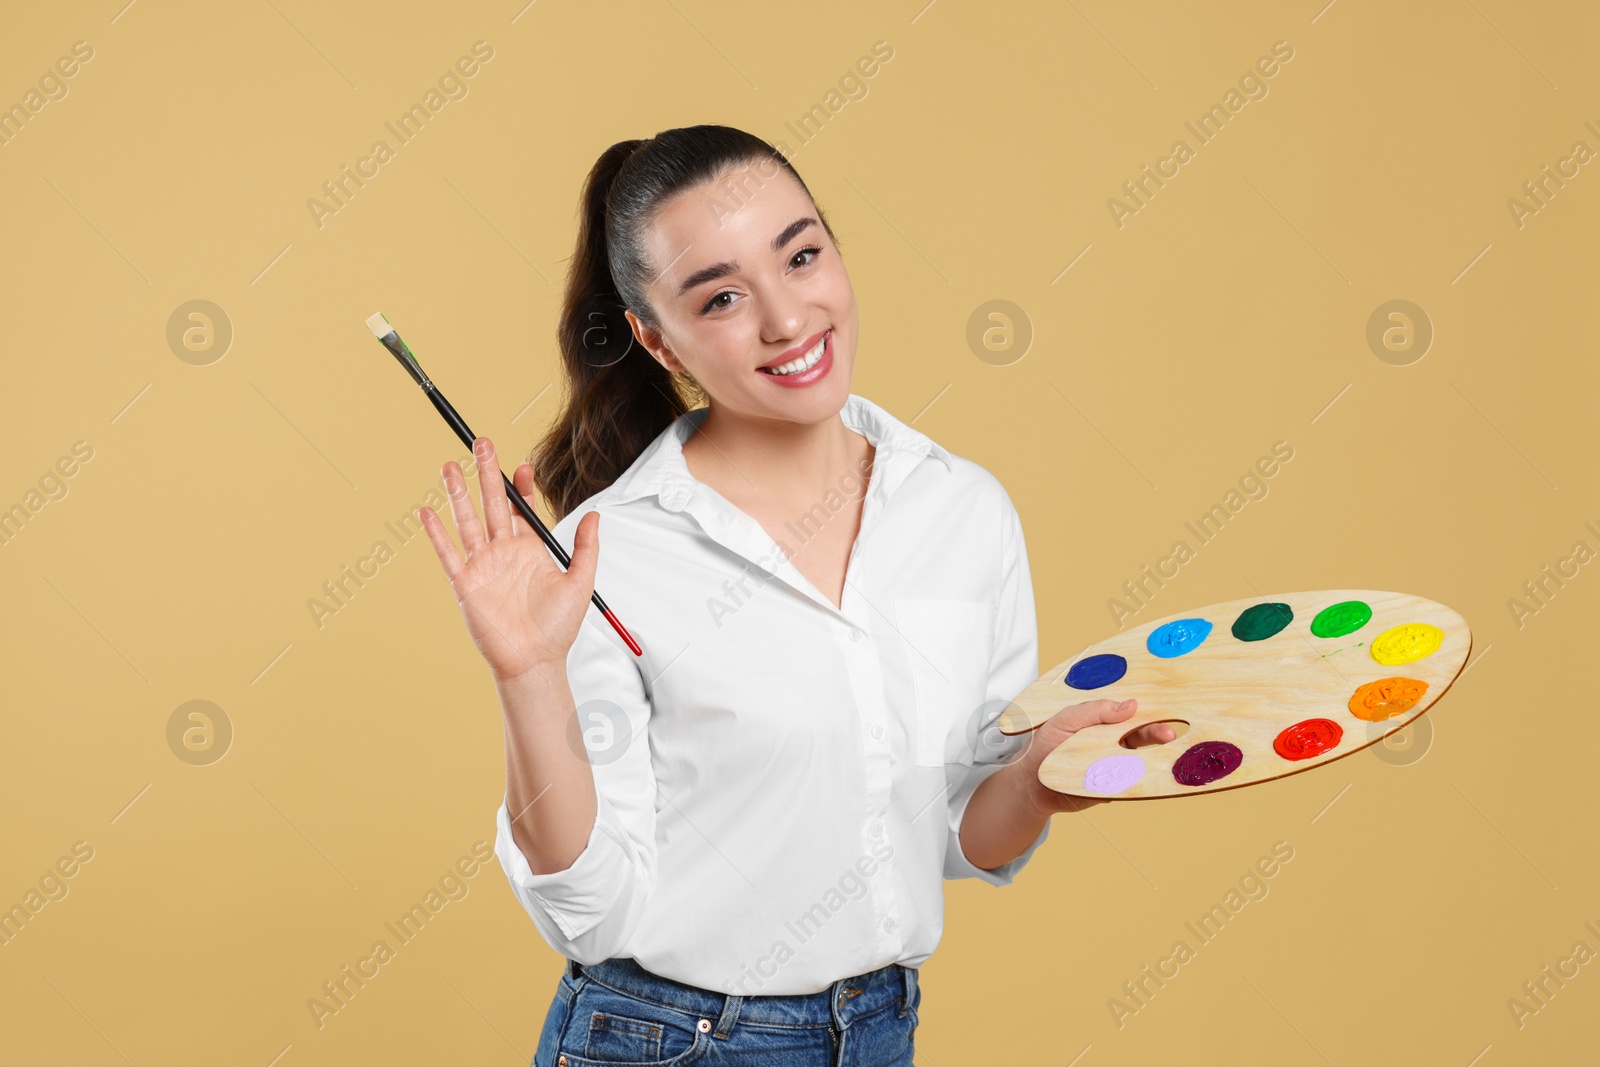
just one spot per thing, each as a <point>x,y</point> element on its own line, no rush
<point>522,609</point>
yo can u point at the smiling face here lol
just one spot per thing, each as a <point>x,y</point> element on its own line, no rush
<point>749,281</point>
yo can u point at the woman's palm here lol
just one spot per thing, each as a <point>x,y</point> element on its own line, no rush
<point>522,610</point>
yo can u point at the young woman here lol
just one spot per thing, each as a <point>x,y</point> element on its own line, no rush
<point>738,840</point>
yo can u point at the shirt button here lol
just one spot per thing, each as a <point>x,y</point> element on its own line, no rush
<point>855,635</point>
<point>877,829</point>
<point>877,731</point>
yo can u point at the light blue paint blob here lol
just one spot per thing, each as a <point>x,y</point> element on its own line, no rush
<point>1177,637</point>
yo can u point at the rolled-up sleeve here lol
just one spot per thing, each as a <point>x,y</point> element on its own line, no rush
<point>588,911</point>
<point>1014,667</point>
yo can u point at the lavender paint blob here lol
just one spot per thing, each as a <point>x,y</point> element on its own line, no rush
<point>1206,762</point>
<point>1113,774</point>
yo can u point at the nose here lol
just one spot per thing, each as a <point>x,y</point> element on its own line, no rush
<point>784,312</point>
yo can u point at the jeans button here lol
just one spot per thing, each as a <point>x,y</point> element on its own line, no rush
<point>704,1026</point>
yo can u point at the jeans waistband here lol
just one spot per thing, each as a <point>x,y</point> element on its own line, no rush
<point>849,998</point>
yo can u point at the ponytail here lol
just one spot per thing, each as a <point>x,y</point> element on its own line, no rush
<point>618,397</point>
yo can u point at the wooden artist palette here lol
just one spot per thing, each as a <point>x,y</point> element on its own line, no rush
<point>1269,686</point>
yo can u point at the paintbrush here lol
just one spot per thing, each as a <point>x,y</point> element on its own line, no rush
<point>398,348</point>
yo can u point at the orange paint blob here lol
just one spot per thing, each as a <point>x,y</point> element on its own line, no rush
<point>1386,698</point>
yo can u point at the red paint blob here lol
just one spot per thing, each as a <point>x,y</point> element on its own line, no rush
<point>1312,737</point>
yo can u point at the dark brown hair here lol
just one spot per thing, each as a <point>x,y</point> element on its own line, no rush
<point>618,397</point>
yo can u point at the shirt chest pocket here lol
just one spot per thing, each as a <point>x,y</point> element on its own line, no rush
<point>948,646</point>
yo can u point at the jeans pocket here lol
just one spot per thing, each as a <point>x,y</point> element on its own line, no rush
<point>555,1024</point>
<point>614,1036</point>
<point>608,1028</point>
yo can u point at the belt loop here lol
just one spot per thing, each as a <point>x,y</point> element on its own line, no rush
<point>729,1016</point>
<point>573,970</point>
<point>911,985</point>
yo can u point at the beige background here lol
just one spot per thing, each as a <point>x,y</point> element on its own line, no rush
<point>1229,313</point>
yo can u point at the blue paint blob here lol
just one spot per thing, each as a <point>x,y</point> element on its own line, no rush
<point>1177,637</point>
<point>1096,671</point>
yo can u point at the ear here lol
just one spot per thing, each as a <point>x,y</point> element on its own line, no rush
<point>654,343</point>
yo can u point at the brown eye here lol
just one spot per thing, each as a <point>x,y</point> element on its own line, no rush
<point>712,303</point>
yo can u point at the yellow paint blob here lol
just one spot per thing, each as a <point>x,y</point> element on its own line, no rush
<point>1406,643</point>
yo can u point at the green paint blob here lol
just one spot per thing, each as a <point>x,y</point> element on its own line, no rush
<point>1260,621</point>
<point>1343,618</point>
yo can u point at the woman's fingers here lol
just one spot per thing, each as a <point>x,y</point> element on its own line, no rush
<point>1093,712</point>
<point>442,545</point>
<point>492,489</point>
<point>522,481</point>
<point>585,549</point>
<point>466,516</point>
<point>1157,733</point>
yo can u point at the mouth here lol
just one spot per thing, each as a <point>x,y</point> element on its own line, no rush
<point>791,363</point>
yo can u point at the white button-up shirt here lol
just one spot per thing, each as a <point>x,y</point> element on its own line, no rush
<point>781,782</point>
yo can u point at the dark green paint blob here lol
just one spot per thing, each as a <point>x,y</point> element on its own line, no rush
<point>1260,621</point>
<point>1346,617</point>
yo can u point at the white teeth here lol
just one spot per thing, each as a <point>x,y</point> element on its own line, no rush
<point>805,362</point>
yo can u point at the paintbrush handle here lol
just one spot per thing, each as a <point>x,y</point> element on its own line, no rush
<point>386,335</point>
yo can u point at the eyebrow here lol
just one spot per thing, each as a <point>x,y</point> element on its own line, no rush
<point>718,270</point>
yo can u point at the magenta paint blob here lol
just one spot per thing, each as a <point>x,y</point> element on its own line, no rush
<point>1206,762</point>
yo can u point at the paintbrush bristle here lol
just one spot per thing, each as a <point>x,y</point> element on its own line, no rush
<point>379,326</point>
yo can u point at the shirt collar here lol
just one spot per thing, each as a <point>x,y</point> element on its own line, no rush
<point>661,470</point>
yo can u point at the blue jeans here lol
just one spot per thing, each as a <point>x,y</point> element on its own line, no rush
<point>617,1013</point>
